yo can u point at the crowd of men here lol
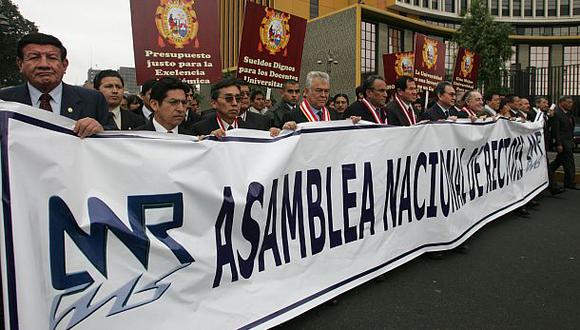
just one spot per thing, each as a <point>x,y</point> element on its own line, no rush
<point>170,106</point>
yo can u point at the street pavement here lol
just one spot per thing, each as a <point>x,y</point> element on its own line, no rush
<point>517,274</point>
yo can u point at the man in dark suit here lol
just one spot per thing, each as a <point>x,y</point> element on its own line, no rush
<point>111,85</point>
<point>192,115</point>
<point>563,124</point>
<point>400,111</point>
<point>225,99</point>
<point>42,61</point>
<point>289,94</point>
<point>246,118</point>
<point>168,102</point>
<point>313,105</point>
<point>370,108</point>
<point>441,110</point>
<point>146,111</point>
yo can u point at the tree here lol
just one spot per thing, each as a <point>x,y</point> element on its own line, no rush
<point>12,27</point>
<point>479,32</point>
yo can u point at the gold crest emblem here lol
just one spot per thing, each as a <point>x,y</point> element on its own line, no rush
<point>467,63</point>
<point>177,23</point>
<point>404,64</point>
<point>274,32</point>
<point>430,53</point>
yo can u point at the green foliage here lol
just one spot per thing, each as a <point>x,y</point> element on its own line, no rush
<point>490,39</point>
<point>12,27</point>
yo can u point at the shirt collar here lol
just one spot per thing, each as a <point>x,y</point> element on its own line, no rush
<point>117,112</point>
<point>443,108</point>
<point>146,111</point>
<point>160,128</point>
<point>35,94</point>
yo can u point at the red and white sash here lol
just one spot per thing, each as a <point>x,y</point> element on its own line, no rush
<point>222,125</point>
<point>410,117</point>
<point>311,115</point>
<point>471,113</point>
<point>371,109</point>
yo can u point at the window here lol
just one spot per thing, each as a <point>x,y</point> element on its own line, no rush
<point>464,7</point>
<point>539,7</point>
<point>450,6</point>
<point>434,4</point>
<point>313,8</point>
<point>564,7</point>
<point>450,55</point>
<point>426,3</point>
<point>571,81</point>
<point>395,40</point>
<point>576,7</point>
<point>539,62</point>
<point>571,55</point>
<point>368,47</point>
<point>528,8</point>
<point>505,8</point>
<point>494,7</point>
<point>551,7</point>
<point>517,9</point>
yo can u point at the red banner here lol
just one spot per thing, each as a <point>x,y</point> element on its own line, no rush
<point>466,69</point>
<point>178,38</point>
<point>271,46</point>
<point>429,62</point>
<point>397,65</point>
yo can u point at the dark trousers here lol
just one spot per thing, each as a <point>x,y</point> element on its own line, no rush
<point>565,159</point>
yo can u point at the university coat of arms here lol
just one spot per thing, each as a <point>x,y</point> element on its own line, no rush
<point>177,23</point>
<point>274,32</point>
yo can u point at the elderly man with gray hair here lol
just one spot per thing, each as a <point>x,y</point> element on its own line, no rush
<point>312,108</point>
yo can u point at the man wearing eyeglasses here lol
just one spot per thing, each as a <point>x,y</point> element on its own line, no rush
<point>444,107</point>
<point>225,100</point>
<point>42,61</point>
<point>169,104</point>
<point>370,108</point>
<point>289,94</point>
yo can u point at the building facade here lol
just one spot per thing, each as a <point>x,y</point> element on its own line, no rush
<point>355,34</point>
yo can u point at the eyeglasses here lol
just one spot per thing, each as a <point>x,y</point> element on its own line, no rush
<point>230,98</point>
<point>381,91</point>
<point>450,93</point>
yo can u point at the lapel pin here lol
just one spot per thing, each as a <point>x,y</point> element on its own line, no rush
<point>70,110</point>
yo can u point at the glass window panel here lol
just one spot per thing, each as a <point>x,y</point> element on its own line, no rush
<point>505,8</point>
<point>527,7</point>
<point>564,7</point>
<point>517,9</point>
<point>539,7</point>
<point>494,7</point>
<point>551,7</point>
<point>450,6</point>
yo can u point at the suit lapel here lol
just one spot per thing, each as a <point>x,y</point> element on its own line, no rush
<point>70,100</point>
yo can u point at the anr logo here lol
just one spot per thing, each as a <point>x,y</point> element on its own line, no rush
<point>94,247</point>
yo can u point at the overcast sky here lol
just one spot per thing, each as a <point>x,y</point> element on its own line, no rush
<point>96,33</point>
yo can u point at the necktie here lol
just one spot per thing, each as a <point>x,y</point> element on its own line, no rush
<point>45,102</point>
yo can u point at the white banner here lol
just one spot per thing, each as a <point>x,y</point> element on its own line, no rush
<point>128,230</point>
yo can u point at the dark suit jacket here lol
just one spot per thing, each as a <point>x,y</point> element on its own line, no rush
<point>255,121</point>
<point>459,113</point>
<point>563,129</point>
<point>436,113</point>
<point>150,127</point>
<point>297,116</point>
<point>81,102</point>
<point>207,125</point>
<point>130,121</point>
<point>192,118</point>
<point>360,110</point>
<point>276,115</point>
<point>395,115</point>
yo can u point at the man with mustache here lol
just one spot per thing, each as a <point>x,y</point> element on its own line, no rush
<point>169,103</point>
